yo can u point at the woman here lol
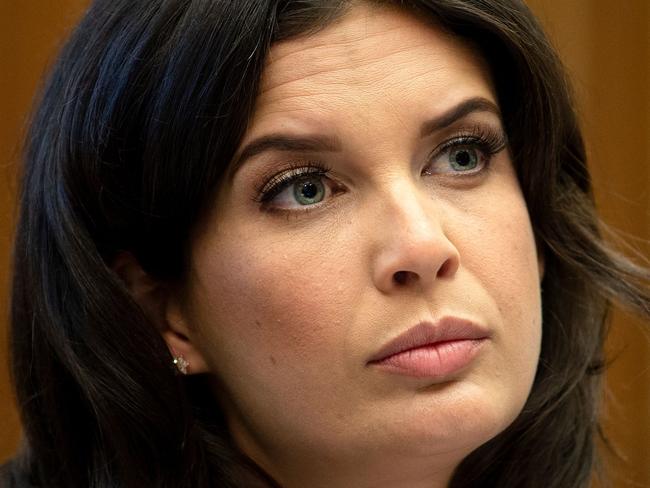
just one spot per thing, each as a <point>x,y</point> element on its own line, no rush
<point>304,243</point>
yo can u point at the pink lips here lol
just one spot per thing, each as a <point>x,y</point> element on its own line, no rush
<point>432,350</point>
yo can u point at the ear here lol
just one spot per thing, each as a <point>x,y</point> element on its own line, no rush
<point>161,305</point>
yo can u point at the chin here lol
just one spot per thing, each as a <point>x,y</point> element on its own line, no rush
<point>468,417</point>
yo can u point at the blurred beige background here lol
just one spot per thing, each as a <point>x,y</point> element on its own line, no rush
<point>606,47</point>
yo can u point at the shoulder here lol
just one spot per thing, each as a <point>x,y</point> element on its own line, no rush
<point>11,477</point>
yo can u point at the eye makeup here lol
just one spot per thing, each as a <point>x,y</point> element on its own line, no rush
<point>297,171</point>
<point>478,142</point>
<point>484,139</point>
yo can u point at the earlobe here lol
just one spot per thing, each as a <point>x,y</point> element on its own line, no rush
<point>182,341</point>
<point>159,303</point>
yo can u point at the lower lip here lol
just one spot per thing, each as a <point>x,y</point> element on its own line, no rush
<point>434,360</point>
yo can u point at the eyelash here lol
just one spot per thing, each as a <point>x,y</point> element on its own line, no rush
<point>278,183</point>
<point>486,139</point>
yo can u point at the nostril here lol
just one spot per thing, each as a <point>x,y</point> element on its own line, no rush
<point>447,268</point>
<point>401,277</point>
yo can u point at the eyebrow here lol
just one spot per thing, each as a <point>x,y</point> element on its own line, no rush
<point>324,143</point>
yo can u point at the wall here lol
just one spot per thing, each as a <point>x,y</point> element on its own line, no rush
<point>605,45</point>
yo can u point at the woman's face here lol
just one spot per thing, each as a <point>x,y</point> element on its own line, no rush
<point>393,205</point>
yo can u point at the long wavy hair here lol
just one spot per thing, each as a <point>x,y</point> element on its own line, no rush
<point>131,136</point>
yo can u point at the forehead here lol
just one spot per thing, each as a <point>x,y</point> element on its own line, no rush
<point>372,57</point>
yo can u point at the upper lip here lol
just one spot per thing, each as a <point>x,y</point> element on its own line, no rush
<point>426,333</point>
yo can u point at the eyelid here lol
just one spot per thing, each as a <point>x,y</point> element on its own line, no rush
<point>491,138</point>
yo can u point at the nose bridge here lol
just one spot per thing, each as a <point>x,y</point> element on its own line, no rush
<point>413,246</point>
<point>414,215</point>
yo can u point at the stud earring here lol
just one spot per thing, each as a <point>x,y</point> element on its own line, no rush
<point>181,364</point>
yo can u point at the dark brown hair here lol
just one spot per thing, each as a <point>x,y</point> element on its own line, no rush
<point>133,132</point>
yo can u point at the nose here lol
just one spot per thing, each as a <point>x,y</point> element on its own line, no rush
<point>413,249</point>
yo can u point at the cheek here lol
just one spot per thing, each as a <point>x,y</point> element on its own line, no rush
<point>505,257</point>
<point>499,252</point>
<point>270,303</point>
<point>515,285</point>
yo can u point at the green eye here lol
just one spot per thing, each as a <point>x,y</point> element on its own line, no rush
<point>309,191</point>
<point>463,159</point>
